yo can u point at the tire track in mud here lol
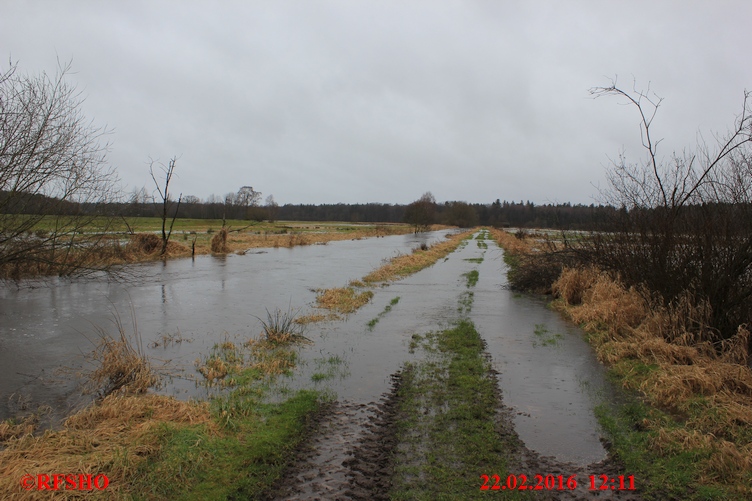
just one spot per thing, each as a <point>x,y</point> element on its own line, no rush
<point>354,449</point>
<point>350,455</point>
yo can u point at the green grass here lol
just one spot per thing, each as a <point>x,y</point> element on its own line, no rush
<point>147,224</point>
<point>472,278</point>
<point>250,440</point>
<point>465,303</point>
<point>449,434</point>
<point>476,260</point>
<point>241,463</point>
<point>545,337</point>
<point>659,476</point>
<point>372,323</point>
<point>329,368</point>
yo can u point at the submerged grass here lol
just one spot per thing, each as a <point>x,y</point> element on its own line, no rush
<point>472,278</point>
<point>449,432</point>
<point>372,323</point>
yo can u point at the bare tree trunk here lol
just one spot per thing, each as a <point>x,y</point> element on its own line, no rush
<point>164,194</point>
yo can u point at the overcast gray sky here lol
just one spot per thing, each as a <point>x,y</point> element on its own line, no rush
<point>379,101</point>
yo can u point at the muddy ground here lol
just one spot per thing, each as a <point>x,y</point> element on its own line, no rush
<point>350,452</point>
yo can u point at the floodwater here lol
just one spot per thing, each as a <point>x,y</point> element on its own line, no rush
<point>206,300</point>
<point>548,375</point>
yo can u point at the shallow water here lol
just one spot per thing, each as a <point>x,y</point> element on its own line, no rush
<point>551,380</point>
<point>206,300</point>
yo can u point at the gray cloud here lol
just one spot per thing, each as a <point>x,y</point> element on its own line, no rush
<point>324,102</point>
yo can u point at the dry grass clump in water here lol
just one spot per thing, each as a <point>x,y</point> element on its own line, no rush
<point>281,327</point>
<point>121,366</point>
<point>112,437</point>
<point>224,359</point>
<point>219,242</point>
<point>343,300</point>
<point>316,317</point>
<point>147,246</point>
<point>664,352</point>
<point>269,355</point>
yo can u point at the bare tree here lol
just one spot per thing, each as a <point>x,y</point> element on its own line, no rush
<point>54,179</point>
<point>272,208</point>
<point>421,213</point>
<point>167,202</point>
<point>684,226</point>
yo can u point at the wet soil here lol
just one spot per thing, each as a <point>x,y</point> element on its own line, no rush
<point>351,451</point>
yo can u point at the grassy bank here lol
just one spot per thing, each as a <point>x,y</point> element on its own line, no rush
<point>449,432</point>
<point>687,434</point>
<point>234,446</point>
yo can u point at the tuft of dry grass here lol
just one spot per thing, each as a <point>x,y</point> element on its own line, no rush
<point>281,327</point>
<point>11,429</point>
<point>112,437</point>
<point>344,300</point>
<point>120,365</point>
<point>219,242</point>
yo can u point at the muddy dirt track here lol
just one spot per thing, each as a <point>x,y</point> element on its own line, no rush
<point>353,450</point>
<point>350,454</point>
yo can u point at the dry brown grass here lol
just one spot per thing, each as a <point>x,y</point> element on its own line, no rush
<point>512,244</point>
<point>344,300</point>
<point>120,365</point>
<point>407,264</point>
<point>219,242</point>
<point>316,317</point>
<point>10,429</point>
<point>112,437</point>
<point>684,368</point>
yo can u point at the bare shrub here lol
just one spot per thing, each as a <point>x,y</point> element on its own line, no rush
<point>683,228</point>
<point>54,174</point>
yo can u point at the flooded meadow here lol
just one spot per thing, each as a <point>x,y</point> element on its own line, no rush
<point>548,377</point>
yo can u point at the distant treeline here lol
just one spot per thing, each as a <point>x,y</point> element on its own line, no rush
<point>498,214</point>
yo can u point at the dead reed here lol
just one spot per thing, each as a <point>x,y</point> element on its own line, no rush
<point>120,365</point>
<point>664,352</point>
<point>343,300</point>
<point>112,437</point>
<point>219,242</point>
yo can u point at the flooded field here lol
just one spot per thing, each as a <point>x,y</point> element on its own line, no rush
<point>548,376</point>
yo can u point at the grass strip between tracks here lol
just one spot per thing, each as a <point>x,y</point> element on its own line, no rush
<point>450,433</point>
